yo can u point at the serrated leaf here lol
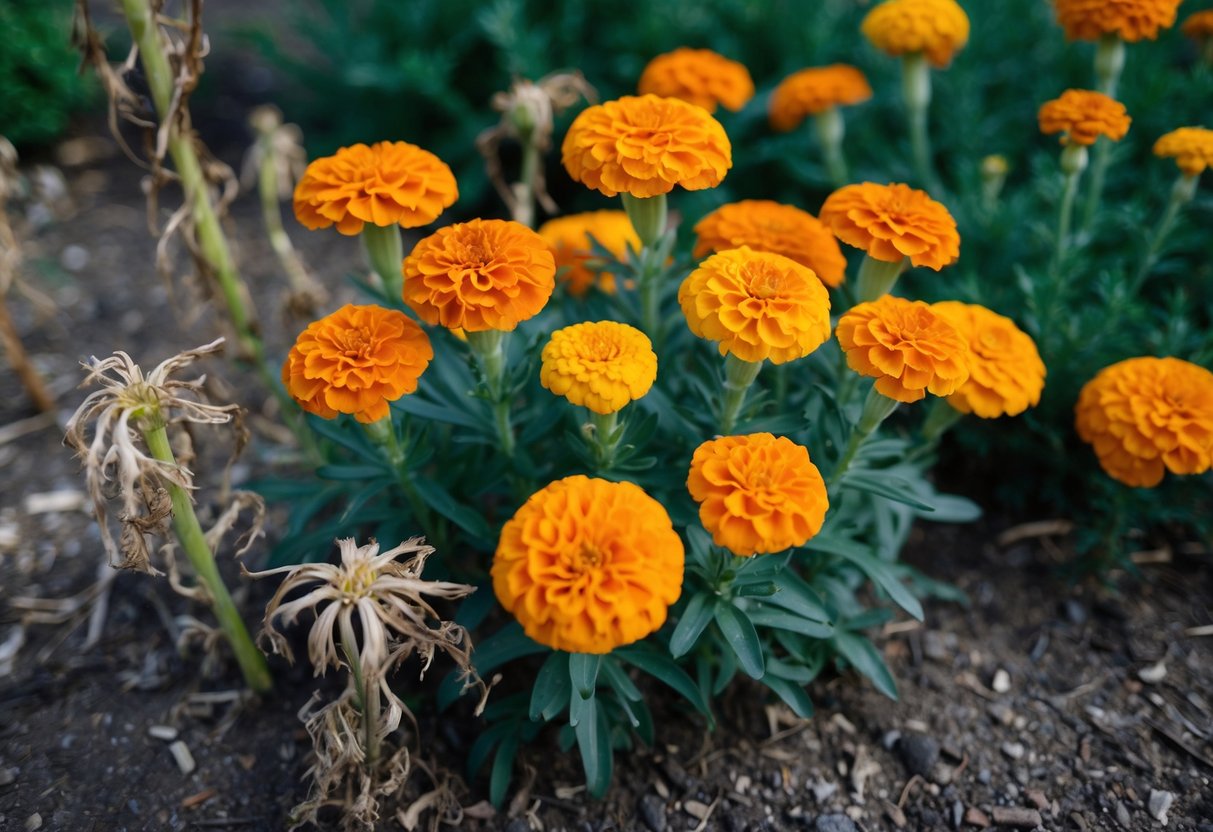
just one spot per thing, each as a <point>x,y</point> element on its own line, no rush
<point>741,636</point>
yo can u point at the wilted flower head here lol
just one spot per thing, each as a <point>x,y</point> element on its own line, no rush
<point>764,225</point>
<point>815,90</point>
<point>937,28</point>
<point>698,76</point>
<point>892,222</point>
<point>1007,375</point>
<point>570,236</point>
<point>1131,20</point>
<point>1082,116</point>
<point>602,365</point>
<point>1190,147</point>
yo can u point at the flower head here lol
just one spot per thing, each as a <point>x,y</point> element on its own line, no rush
<point>387,183</point>
<point>645,145</point>
<point>1146,416</point>
<point>758,305</point>
<point>757,494</point>
<point>698,76</point>
<point>1190,147</point>
<point>891,222</point>
<point>570,236</point>
<point>587,565</point>
<point>1131,20</point>
<point>1199,25</point>
<point>356,361</point>
<point>479,275</point>
<point>908,348</point>
<point>815,90</point>
<point>1082,116</point>
<point>937,28</point>
<point>602,366</point>
<point>764,225</point>
<point>1007,375</point>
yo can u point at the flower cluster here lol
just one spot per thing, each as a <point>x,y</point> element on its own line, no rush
<point>815,90</point>
<point>893,222</point>
<point>698,76</point>
<point>937,28</point>
<point>602,366</point>
<point>570,240</point>
<point>1130,20</point>
<point>1006,375</point>
<point>1082,116</point>
<point>764,225</point>
<point>1190,147</point>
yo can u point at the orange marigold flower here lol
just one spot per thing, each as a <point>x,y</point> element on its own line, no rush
<point>1146,416</point>
<point>479,275</point>
<point>764,225</point>
<point>387,183</point>
<point>937,28</point>
<point>758,305</point>
<point>815,90</point>
<point>1190,147</point>
<point>602,366</point>
<point>1131,20</point>
<point>569,237</point>
<point>588,565</point>
<point>1006,375</point>
<point>891,222</point>
<point>1082,116</point>
<point>906,347</point>
<point>1199,25</point>
<point>757,494</point>
<point>698,76</point>
<point>356,360</point>
<point>645,145</point>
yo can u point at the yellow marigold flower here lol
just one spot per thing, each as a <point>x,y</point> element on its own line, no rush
<point>764,225</point>
<point>387,183</point>
<point>1131,20</point>
<point>906,347</point>
<point>698,76</point>
<point>569,237</point>
<point>1082,116</point>
<point>891,222</point>
<point>757,494</point>
<point>645,145</point>
<point>1146,416</point>
<point>356,360</point>
<point>479,275</point>
<point>1006,375</point>
<point>758,305</point>
<point>815,90</point>
<point>1190,147</point>
<point>937,28</point>
<point>588,565</point>
<point>1199,25</point>
<point>602,366</point>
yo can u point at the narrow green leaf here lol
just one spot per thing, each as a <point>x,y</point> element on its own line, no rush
<point>740,634</point>
<point>662,668</point>
<point>619,680</point>
<point>863,656</point>
<point>435,412</point>
<point>795,595</point>
<point>503,770</point>
<point>583,673</point>
<point>440,500</point>
<point>593,741</point>
<point>885,578</point>
<point>792,693</point>
<point>695,618</point>
<point>779,619</point>
<point>550,695</point>
<point>882,485</point>
<point>952,508</point>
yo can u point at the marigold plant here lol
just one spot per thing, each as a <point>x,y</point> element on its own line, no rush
<point>893,222</point>
<point>1082,116</point>
<point>765,225</point>
<point>1190,147</point>
<point>570,238</point>
<point>1130,20</point>
<point>815,90</point>
<point>937,28</point>
<point>698,76</point>
<point>601,366</point>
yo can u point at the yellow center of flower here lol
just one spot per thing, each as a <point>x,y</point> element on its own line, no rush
<point>765,283</point>
<point>354,343</point>
<point>589,557</point>
<point>357,582</point>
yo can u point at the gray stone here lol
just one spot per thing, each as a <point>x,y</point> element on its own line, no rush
<point>919,753</point>
<point>835,823</point>
<point>652,812</point>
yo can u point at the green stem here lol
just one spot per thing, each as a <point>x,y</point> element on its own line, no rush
<point>385,252</point>
<point>489,348</point>
<point>876,408</point>
<point>738,376</point>
<point>367,688</point>
<point>193,543</point>
<point>524,189</point>
<point>649,219</point>
<point>1182,192</point>
<point>1065,218</point>
<point>831,130</point>
<point>940,419</point>
<point>916,89</point>
<point>603,438</point>
<point>877,277</point>
<point>383,434</point>
<point>1109,64</point>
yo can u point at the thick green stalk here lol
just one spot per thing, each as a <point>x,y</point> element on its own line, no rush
<point>877,277</point>
<point>876,408</point>
<point>649,218</point>
<point>738,376</point>
<point>383,434</point>
<point>1073,163</point>
<point>385,252</point>
<point>830,130</point>
<point>489,348</point>
<point>602,430</point>
<point>916,90</point>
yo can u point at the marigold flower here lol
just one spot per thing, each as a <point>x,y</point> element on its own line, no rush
<point>645,145</point>
<point>1199,25</point>
<point>764,225</point>
<point>1082,116</point>
<point>908,348</point>
<point>1131,20</point>
<point>569,238</point>
<point>891,222</point>
<point>587,565</point>
<point>1146,416</point>
<point>698,76</point>
<point>937,28</point>
<point>758,305</point>
<point>479,275</point>
<point>387,183</point>
<point>602,366</point>
<point>355,361</point>
<point>757,494</point>
<point>1190,147</point>
<point>815,90</point>
<point>1006,375</point>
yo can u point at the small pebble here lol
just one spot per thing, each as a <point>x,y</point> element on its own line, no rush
<point>835,823</point>
<point>1122,815</point>
<point>695,809</point>
<point>919,753</point>
<point>1001,682</point>
<point>33,822</point>
<point>1014,750</point>
<point>823,790</point>
<point>7,776</point>
<point>1160,803</point>
<point>162,732</point>
<point>976,817</point>
<point>1153,674</point>
<point>181,753</point>
<point>652,812</point>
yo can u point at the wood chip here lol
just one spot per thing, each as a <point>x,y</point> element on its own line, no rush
<point>162,732</point>
<point>976,817</point>
<point>894,814</point>
<point>1040,528</point>
<point>1038,798</point>
<point>1203,630</point>
<point>1016,817</point>
<point>181,753</point>
<point>198,799</point>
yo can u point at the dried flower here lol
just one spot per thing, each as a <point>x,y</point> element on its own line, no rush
<point>356,360</point>
<point>764,225</point>
<point>906,347</point>
<point>1131,20</point>
<point>645,145</point>
<point>937,28</point>
<point>570,238</point>
<point>387,183</point>
<point>602,366</point>
<point>892,222</point>
<point>479,275</point>
<point>1006,375</point>
<point>1190,147</point>
<point>1146,416</point>
<point>758,305</point>
<point>587,565</point>
<point>815,90</point>
<point>757,494</point>
<point>698,76</point>
<point>1082,116</point>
